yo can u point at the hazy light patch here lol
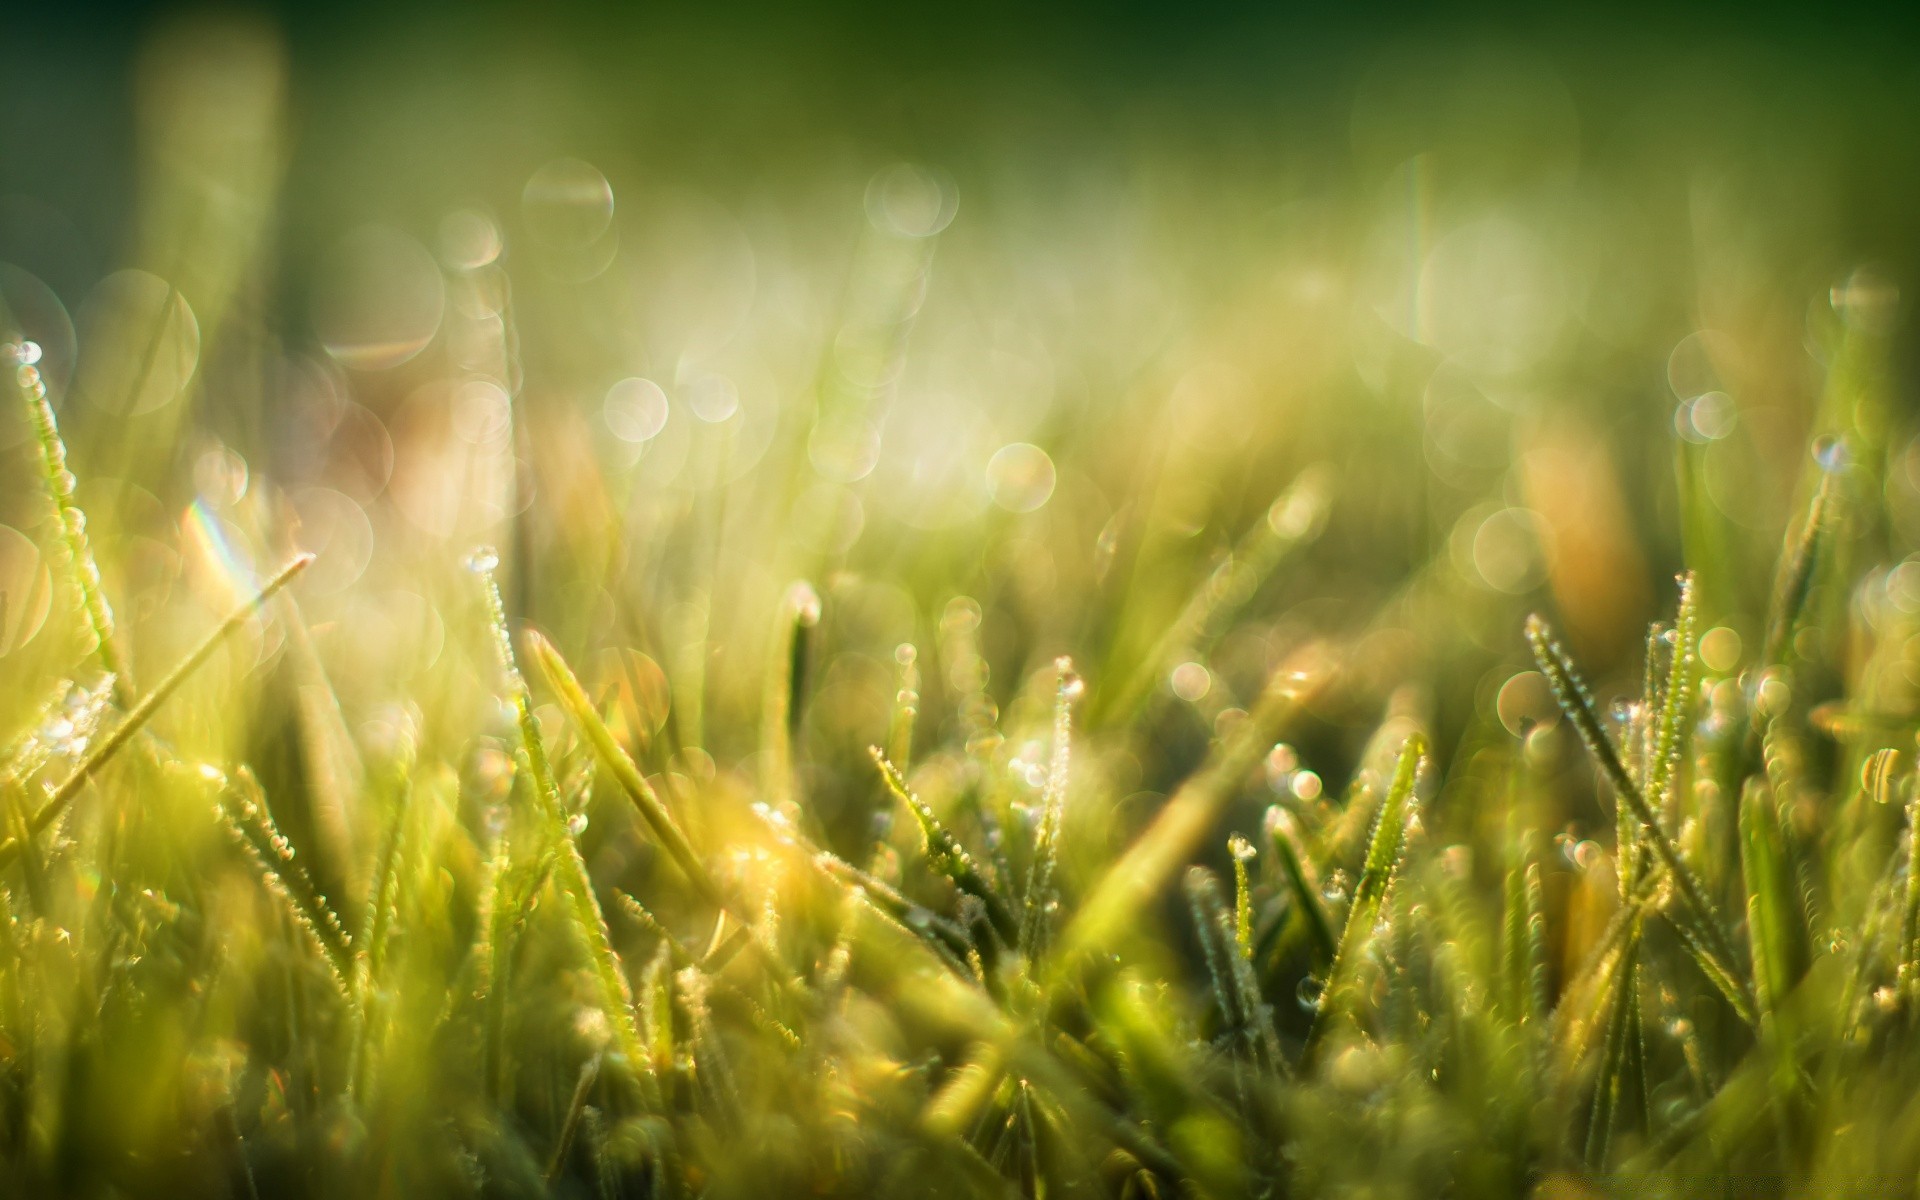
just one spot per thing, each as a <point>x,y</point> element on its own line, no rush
<point>216,548</point>
<point>390,636</point>
<point>1190,681</point>
<point>1468,435</point>
<point>26,589</point>
<point>637,697</point>
<point>1698,364</point>
<point>140,343</point>
<point>335,529</point>
<point>469,239</point>
<point>1707,417</point>
<point>911,201</point>
<point>1867,300</point>
<point>220,476</point>
<point>635,410</point>
<point>378,299</point>
<point>1720,649</point>
<point>936,451</point>
<point>712,397</point>
<point>1492,298</point>
<point>444,483</point>
<point>844,449</point>
<point>1903,586</point>
<point>830,516</point>
<point>567,202</point>
<point>1501,548</point>
<point>691,272</point>
<point>482,412</point>
<point>737,403</point>
<point>1020,477</point>
<point>29,310</point>
<point>1526,703</point>
<point>568,208</point>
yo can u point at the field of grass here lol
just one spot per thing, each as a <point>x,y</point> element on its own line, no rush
<point>1081,672</point>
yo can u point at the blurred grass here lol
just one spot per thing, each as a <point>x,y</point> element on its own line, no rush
<point>951,523</point>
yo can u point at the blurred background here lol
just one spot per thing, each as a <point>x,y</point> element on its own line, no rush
<point>981,320</point>
<point>827,377</point>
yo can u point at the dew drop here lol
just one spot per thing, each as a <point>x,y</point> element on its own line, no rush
<point>26,353</point>
<point>804,603</point>
<point>1336,889</point>
<point>1072,686</point>
<point>1310,992</point>
<point>577,824</point>
<point>1241,848</point>
<point>483,560</point>
<point>1831,453</point>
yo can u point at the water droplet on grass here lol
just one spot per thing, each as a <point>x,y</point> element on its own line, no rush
<point>1310,993</point>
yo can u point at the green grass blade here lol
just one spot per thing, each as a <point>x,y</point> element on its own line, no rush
<point>1157,853</point>
<point>1623,1016</point>
<point>1774,927</point>
<point>251,826</point>
<point>1799,564</point>
<point>906,707</point>
<point>1241,851</point>
<point>110,745</point>
<point>782,701</point>
<point>1678,696</point>
<point>1369,894</point>
<point>1908,971</point>
<point>583,905</point>
<point>1283,835</point>
<point>1053,800</point>
<point>573,698</point>
<point>82,570</point>
<point>944,851</point>
<point>1701,929</point>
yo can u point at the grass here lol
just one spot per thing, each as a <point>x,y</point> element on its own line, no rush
<point>670,874</point>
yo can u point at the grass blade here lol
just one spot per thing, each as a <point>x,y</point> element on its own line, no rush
<point>785,689</point>
<point>1702,930</point>
<point>944,851</point>
<point>1154,856</point>
<point>1376,878</point>
<point>1053,799</point>
<point>1283,834</point>
<point>583,904</point>
<point>573,698</point>
<point>1798,566</point>
<point>83,572</point>
<point>251,826</point>
<point>108,746</point>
